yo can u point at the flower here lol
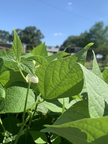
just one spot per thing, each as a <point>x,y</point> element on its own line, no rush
<point>31,78</point>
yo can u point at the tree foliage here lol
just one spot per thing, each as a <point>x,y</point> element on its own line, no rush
<point>30,36</point>
<point>98,34</point>
<point>4,35</point>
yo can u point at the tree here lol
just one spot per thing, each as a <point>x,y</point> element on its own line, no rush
<point>4,36</point>
<point>97,34</point>
<point>30,36</point>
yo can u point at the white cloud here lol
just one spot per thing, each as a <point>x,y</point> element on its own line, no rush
<point>69,3</point>
<point>58,34</point>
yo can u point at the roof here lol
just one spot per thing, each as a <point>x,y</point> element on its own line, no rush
<point>5,46</point>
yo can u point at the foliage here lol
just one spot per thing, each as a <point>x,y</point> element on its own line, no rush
<point>4,36</point>
<point>98,34</point>
<point>30,35</point>
<point>52,99</point>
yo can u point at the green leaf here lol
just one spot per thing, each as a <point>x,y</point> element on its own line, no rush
<point>82,54</point>
<point>84,131</point>
<point>39,60</point>
<point>97,91</point>
<point>40,50</point>
<point>16,46</point>
<point>105,75</point>
<point>28,67</point>
<point>53,105</point>
<point>96,69</point>
<point>10,61</point>
<point>62,77</point>
<point>76,112</point>
<point>15,99</point>
<point>9,77</point>
<point>2,66</point>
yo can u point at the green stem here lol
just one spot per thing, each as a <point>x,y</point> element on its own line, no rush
<point>23,116</point>
<point>36,104</point>
<point>22,74</point>
<point>63,107</point>
<point>2,126</point>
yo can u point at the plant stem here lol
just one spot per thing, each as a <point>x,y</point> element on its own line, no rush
<point>23,116</point>
<point>2,126</point>
<point>22,74</point>
<point>36,104</point>
<point>63,107</point>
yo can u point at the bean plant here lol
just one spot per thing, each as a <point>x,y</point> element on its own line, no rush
<point>51,99</point>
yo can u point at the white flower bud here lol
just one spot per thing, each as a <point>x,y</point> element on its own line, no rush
<point>34,62</point>
<point>31,78</point>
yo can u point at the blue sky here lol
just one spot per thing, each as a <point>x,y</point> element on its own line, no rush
<point>57,19</point>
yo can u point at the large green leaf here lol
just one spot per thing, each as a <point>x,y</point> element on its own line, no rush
<point>40,50</point>
<point>75,112</point>
<point>15,99</point>
<point>16,46</point>
<point>62,77</point>
<point>84,131</point>
<point>97,91</point>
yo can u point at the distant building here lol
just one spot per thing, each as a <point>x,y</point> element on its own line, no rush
<point>5,46</point>
<point>53,50</point>
<point>70,50</point>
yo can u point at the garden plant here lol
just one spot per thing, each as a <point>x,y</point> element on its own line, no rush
<point>52,99</point>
